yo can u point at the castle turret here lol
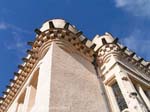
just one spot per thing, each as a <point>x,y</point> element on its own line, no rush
<point>124,75</point>
<point>66,72</point>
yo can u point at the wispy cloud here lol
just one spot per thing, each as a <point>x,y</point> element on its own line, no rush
<point>136,7</point>
<point>16,43</point>
<point>3,26</point>
<point>139,42</point>
<point>7,26</point>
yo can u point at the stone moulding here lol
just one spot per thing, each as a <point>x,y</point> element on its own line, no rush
<point>124,53</point>
<point>69,39</point>
<point>39,46</point>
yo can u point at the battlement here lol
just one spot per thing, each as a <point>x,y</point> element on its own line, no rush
<point>107,38</point>
<point>59,28</point>
<point>102,40</point>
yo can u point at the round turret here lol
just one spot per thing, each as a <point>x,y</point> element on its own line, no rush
<point>58,23</point>
<point>102,40</point>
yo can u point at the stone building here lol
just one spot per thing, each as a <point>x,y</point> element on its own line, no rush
<point>66,72</point>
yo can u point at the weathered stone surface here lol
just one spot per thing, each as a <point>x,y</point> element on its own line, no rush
<point>74,84</point>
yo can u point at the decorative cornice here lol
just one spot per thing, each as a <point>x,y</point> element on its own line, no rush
<point>62,33</point>
<point>53,33</point>
<point>109,46</point>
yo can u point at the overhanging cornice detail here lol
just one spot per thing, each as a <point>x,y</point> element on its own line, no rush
<point>66,35</point>
<point>54,30</point>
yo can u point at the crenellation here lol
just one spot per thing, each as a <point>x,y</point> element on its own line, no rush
<point>107,52</point>
<point>37,31</point>
<point>120,45</point>
<point>16,74</point>
<point>132,54</point>
<point>8,86</point>
<point>88,43</point>
<point>93,46</point>
<point>12,80</point>
<point>30,51</point>
<point>123,48</point>
<point>66,26</point>
<point>144,63</point>
<point>148,65</point>
<point>79,34</point>
<point>25,59</point>
<point>140,60</point>
<point>74,30</point>
<point>5,93</point>
<point>135,57</point>
<point>115,41</point>
<point>30,43</point>
<point>84,41</point>
<point>21,67</point>
<point>128,52</point>
<point>7,90</point>
<point>51,25</point>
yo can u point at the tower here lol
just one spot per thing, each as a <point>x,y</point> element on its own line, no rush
<point>66,72</point>
<point>126,76</point>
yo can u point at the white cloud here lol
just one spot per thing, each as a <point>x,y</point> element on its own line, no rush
<point>139,42</point>
<point>17,35</point>
<point>16,44</point>
<point>18,29</point>
<point>7,26</point>
<point>3,26</point>
<point>136,7</point>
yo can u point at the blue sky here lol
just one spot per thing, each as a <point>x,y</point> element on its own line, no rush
<point>126,19</point>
